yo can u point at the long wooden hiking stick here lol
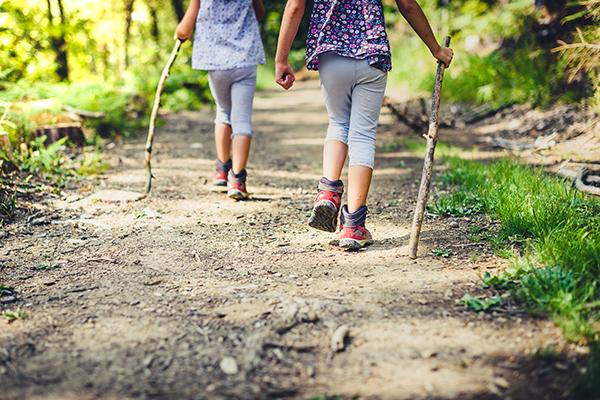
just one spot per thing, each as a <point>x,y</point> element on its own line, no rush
<point>155,107</point>
<point>432,136</point>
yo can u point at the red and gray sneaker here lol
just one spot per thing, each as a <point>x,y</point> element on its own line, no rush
<point>354,235</point>
<point>325,211</point>
<point>236,186</point>
<point>221,172</point>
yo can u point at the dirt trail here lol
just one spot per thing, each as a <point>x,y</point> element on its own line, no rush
<point>149,297</point>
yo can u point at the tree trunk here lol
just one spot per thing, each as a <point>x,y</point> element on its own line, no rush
<point>179,9</point>
<point>154,31</point>
<point>128,14</point>
<point>58,41</point>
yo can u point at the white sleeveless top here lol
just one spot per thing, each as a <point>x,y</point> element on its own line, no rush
<point>227,36</point>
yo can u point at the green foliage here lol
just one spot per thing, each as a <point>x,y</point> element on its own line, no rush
<point>12,316</point>
<point>456,204</point>
<point>523,75</point>
<point>6,290</point>
<point>480,304</point>
<point>46,267</point>
<point>440,253</point>
<point>498,59</point>
<point>557,227</point>
<point>39,158</point>
<point>8,204</point>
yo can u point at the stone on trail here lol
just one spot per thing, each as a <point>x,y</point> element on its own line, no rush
<point>338,339</point>
<point>229,365</point>
<point>116,196</point>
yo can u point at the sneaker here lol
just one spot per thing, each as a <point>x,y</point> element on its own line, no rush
<point>354,235</point>
<point>221,172</point>
<point>325,211</point>
<point>236,185</point>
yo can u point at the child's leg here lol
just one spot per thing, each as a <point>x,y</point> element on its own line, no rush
<point>223,141</point>
<point>336,85</point>
<point>220,87</point>
<point>336,74</point>
<point>241,152</point>
<point>334,157</point>
<point>367,97</point>
<point>242,94</point>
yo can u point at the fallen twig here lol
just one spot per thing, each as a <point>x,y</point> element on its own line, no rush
<point>338,339</point>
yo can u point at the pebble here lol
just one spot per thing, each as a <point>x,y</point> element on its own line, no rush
<point>229,366</point>
<point>8,299</point>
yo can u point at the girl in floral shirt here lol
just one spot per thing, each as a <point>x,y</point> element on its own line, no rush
<point>227,44</point>
<point>348,44</point>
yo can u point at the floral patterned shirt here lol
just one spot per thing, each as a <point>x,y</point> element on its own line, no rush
<point>227,36</point>
<point>351,28</point>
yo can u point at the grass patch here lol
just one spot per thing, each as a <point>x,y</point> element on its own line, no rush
<point>549,231</point>
<point>7,290</point>
<point>480,304</point>
<point>12,316</point>
<point>46,267</point>
<point>555,227</point>
<point>440,253</point>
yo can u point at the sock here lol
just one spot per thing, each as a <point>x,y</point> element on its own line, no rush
<point>240,176</point>
<point>224,166</point>
<point>357,218</point>
<point>326,181</point>
<point>331,186</point>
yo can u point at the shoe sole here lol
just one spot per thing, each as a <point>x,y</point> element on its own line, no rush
<point>353,244</point>
<point>237,195</point>
<point>323,217</point>
<point>220,182</point>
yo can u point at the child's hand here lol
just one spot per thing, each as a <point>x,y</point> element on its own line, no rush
<point>284,75</point>
<point>444,55</point>
<point>184,31</point>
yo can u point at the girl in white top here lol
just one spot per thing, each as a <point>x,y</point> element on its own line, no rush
<point>227,44</point>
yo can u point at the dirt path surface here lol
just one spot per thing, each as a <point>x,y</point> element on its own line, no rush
<point>190,295</point>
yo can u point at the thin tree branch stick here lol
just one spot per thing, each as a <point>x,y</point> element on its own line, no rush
<point>431,137</point>
<point>155,107</point>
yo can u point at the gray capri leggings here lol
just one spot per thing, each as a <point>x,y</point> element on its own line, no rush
<point>233,91</point>
<point>353,92</point>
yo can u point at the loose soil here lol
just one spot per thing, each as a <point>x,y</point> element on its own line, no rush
<point>190,295</point>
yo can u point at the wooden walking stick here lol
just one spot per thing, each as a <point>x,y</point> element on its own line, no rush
<point>155,107</point>
<point>432,136</point>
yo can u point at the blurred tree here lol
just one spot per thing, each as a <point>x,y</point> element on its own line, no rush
<point>57,39</point>
<point>128,15</point>
<point>179,8</point>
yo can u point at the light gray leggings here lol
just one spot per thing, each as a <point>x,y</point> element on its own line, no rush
<point>353,92</point>
<point>233,91</point>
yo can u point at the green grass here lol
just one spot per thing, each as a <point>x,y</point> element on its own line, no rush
<point>6,290</point>
<point>480,304</point>
<point>550,233</point>
<point>12,316</point>
<point>555,229</point>
<point>8,204</point>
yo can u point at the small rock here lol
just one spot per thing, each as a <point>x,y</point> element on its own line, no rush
<point>229,366</point>
<point>454,225</point>
<point>501,382</point>
<point>150,213</point>
<point>4,234</point>
<point>39,221</point>
<point>8,299</point>
<point>72,198</point>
